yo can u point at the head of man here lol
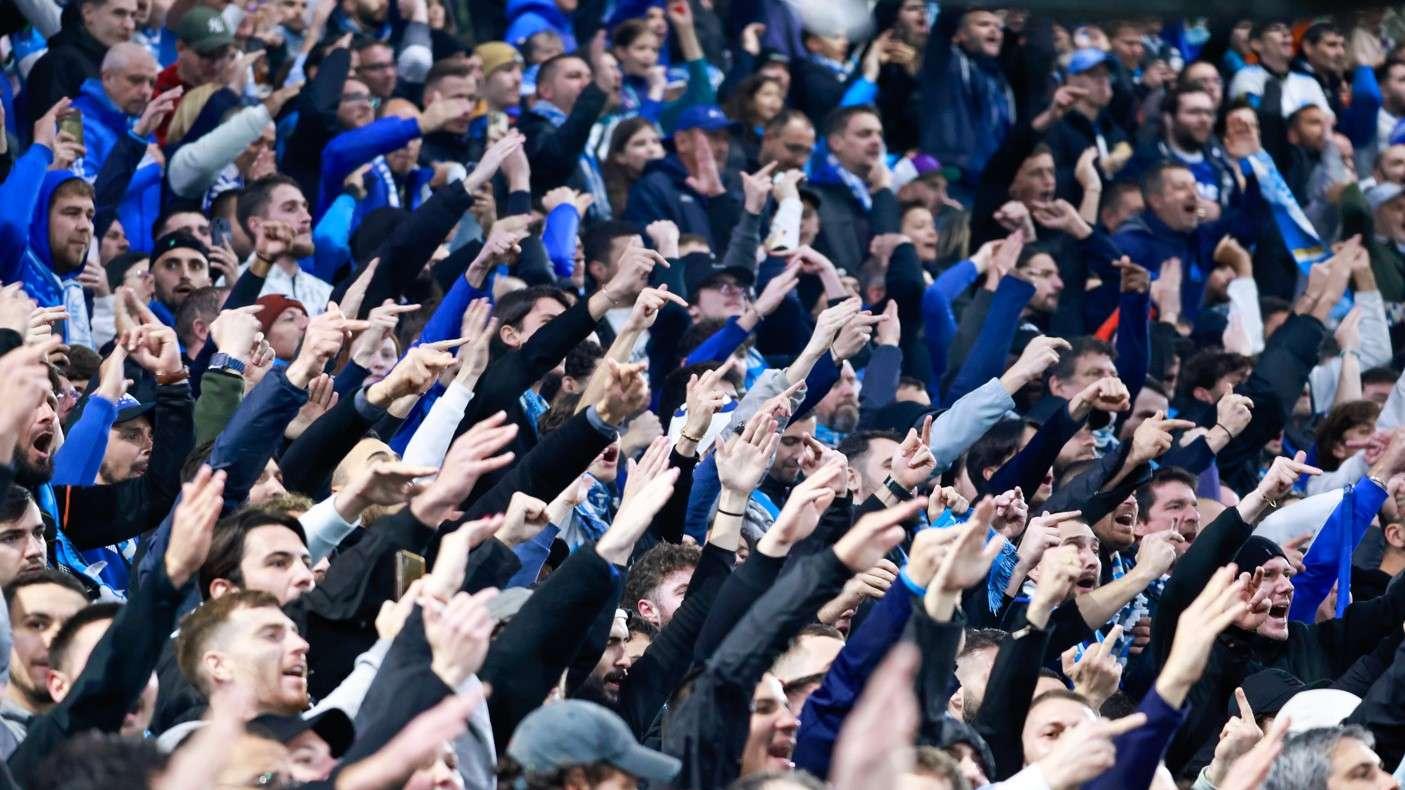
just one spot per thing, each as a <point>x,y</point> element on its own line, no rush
<point>1387,201</point>
<point>603,245</point>
<point>870,455</point>
<point>612,668</point>
<point>1391,77</point>
<point>724,294</point>
<point>785,467</point>
<point>561,80</point>
<point>375,67</point>
<point>1261,554</point>
<point>283,322</point>
<point>1088,72</point>
<point>855,137</point>
<point>1309,128</point>
<point>1080,536</point>
<point>1121,202</point>
<point>1116,531</point>
<point>1324,46</point>
<point>1039,268</point>
<point>243,641</point>
<point>129,443</point>
<point>580,745</point>
<point>192,222</point>
<point>981,33</point>
<point>1086,362</point>
<point>70,222</point>
<point>1344,430</point>
<point>1272,41</point>
<point>773,724</point>
<point>357,105</point>
<point>1390,164</point>
<point>180,266</point>
<point>277,198</point>
<point>258,550</point>
<point>658,581</point>
<point>1167,501</point>
<point>1212,374</point>
<point>40,602</point>
<point>109,21</point>
<point>128,76</point>
<point>521,313</point>
<point>68,655</point>
<point>451,80</point>
<point>973,665</point>
<point>1189,117</point>
<point>292,14</point>
<point>1150,400</point>
<point>1204,74</point>
<point>1330,758</point>
<point>204,47</point>
<point>1051,715</point>
<point>911,23</point>
<point>805,662</point>
<point>1128,44</point>
<point>839,408</point>
<point>502,75</point>
<point>1378,383</point>
<point>1169,192</point>
<point>703,128</point>
<point>1034,182</point>
<point>38,441</point>
<point>197,313</point>
<point>23,547</point>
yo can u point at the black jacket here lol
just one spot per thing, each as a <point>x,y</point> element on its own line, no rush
<point>555,152</point>
<point>317,123</point>
<point>707,731</point>
<point>73,56</point>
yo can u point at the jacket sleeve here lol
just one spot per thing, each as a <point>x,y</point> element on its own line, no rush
<point>1213,547</point>
<point>957,428</point>
<point>77,462</point>
<point>1365,624</point>
<point>1140,751</point>
<point>198,163</point>
<point>1007,696</point>
<point>308,462</point>
<point>113,180</point>
<point>558,459</point>
<point>411,245</point>
<point>905,285</point>
<point>826,708</point>
<point>117,672</point>
<point>987,356</point>
<point>102,515</point>
<point>537,645</point>
<point>220,394</point>
<point>351,149</point>
<point>556,151</point>
<point>1382,710</point>
<point>18,194</point>
<point>1028,466</point>
<point>702,730</point>
<point>743,586</point>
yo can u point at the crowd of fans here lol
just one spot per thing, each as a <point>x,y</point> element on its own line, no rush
<point>701,394</point>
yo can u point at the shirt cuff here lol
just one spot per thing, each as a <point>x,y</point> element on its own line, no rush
<point>598,423</point>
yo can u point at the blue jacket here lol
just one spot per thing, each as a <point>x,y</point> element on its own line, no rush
<point>104,123</point>
<point>24,239</point>
<point>967,105</point>
<point>352,149</point>
<point>526,18</point>
<point>663,193</point>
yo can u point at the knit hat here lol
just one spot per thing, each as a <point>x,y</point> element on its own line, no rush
<point>497,54</point>
<point>118,266</point>
<point>175,240</point>
<point>273,306</point>
<point>1269,690</point>
<point>1256,552</point>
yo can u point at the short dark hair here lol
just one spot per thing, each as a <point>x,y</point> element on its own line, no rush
<point>1054,694</point>
<point>1383,374</point>
<point>95,760</point>
<point>548,67</point>
<point>783,119</point>
<point>1154,178</point>
<point>856,445</point>
<point>63,639</point>
<point>256,197</point>
<point>765,779</point>
<point>55,576</point>
<point>652,566</point>
<point>582,359</point>
<point>1146,492</point>
<point>638,625</point>
<point>198,627</point>
<point>993,448</point>
<point>597,241</point>
<point>1079,347</point>
<point>1206,367</point>
<point>227,548</point>
<point>982,638</point>
<point>83,363</point>
<point>158,228</point>
<point>674,392</point>
<point>442,70</point>
<point>1319,30</point>
<point>1269,305</point>
<point>16,501</point>
<point>1172,103</point>
<point>514,306</point>
<point>1342,418</point>
<point>73,187</point>
<point>838,120</point>
<point>202,304</point>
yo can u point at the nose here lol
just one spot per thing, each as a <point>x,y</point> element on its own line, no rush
<point>36,547</point>
<point>303,578</point>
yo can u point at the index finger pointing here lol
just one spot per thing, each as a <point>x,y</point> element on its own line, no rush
<point>1246,711</point>
<point>448,345</point>
<point>1125,724</point>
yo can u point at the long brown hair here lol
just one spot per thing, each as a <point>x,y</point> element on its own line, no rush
<point>617,177</point>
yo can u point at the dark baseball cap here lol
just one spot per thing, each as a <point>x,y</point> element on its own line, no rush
<point>707,117</point>
<point>331,725</point>
<point>703,270</point>
<point>204,30</point>
<point>129,408</point>
<point>575,732</point>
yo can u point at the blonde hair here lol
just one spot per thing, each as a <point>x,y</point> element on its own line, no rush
<point>187,111</point>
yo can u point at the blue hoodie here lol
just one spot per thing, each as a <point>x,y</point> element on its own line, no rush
<point>103,124</point>
<point>526,18</point>
<point>24,240</point>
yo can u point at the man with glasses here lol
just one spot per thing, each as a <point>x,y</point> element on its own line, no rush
<point>375,67</point>
<point>1188,117</point>
<point>204,51</point>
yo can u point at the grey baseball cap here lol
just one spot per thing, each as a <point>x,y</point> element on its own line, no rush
<point>575,732</point>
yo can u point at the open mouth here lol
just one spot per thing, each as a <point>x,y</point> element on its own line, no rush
<point>1278,611</point>
<point>298,670</point>
<point>43,443</point>
<point>1087,582</point>
<point>611,455</point>
<point>1125,519</point>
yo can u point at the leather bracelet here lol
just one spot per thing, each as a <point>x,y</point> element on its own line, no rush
<point>177,377</point>
<point>693,439</point>
<point>730,513</point>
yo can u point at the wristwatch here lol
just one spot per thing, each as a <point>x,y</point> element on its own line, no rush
<point>897,490</point>
<point>223,361</point>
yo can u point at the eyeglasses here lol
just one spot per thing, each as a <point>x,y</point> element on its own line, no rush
<point>356,98</point>
<point>728,289</point>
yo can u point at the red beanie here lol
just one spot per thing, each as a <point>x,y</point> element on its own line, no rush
<point>273,306</point>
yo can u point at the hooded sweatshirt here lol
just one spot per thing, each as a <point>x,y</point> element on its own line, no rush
<point>25,199</point>
<point>526,18</point>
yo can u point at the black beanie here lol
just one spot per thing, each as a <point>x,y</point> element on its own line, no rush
<point>1256,551</point>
